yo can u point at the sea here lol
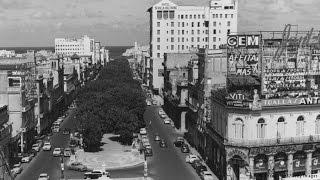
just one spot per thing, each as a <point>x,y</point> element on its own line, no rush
<point>115,51</point>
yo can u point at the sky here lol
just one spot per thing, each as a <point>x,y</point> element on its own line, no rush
<point>122,22</point>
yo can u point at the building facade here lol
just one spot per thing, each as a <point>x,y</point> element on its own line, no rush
<point>68,46</point>
<point>175,28</point>
<point>5,136</point>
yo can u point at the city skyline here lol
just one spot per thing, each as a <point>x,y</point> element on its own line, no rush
<point>37,22</point>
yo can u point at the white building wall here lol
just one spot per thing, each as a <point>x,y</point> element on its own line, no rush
<point>271,119</point>
<point>68,47</point>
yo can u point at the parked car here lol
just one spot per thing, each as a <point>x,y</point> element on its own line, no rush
<point>56,129</point>
<point>66,131</point>
<point>143,131</point>
<point>201,168</point>
<point>36,147</point>
<point>196,163</point>
<point>47,146</point>
<point>148,103</point>
<point>39,142</point>
<point>57,152</point>
<point>77,166</point>
<point>163,116</point>
<point>27,158</point>
<point>167,120</point>
<point>17,169</point>
<point>43,176</point>
<point>178,142</point>
<point>185,148</point>
<point>148,152</point>
<point>157,137</point>
<point>191,157</point>
<point>67,152</point>
<point>206,175</point>
<point>162,143</point>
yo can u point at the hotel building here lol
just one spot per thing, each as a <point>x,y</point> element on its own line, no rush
<point>175,29</point>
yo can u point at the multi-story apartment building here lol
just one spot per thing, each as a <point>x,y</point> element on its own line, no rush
<point>70,46</point>
<point>175,28</point>
<point>5,136</point>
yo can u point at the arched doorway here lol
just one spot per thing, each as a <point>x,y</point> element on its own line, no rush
<point>261,167</point>
<point>280,165</point>
<point>237,168</point>
<point>299,161</point>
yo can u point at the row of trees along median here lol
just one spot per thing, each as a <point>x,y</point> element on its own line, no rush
<point>114,103</point>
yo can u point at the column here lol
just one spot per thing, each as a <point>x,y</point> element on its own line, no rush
<point>183,121</point>
<point>251,167</point>
<point>309,162</point>
<point>270,166</point>
<point>290,163</point>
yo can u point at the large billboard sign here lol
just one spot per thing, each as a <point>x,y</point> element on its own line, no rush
<point>247,41</point>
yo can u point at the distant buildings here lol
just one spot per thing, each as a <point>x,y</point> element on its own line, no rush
<point>7,54</point>
<point>181,29</point>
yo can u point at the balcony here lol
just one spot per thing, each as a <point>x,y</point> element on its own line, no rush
<point>273,142</point>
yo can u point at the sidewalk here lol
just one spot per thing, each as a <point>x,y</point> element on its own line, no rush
<point>113,156</point>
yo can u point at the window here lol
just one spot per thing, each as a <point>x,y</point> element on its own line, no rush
<point>158,32</point>
<point>178,32</point>
<point>214,23</point>
<point>199,16</point>
<point>186,16</point>
<point>182,24</point>
<point>182,39</point>
<point>158,55</point>
<point>300,126</point>
<point>238,128</point>
<point>214,31</point>
<point>181,16</point>
<point>203,16</point>
<point>231,15</point>
<point>158,24</point>
<point>178,24</point>
<point>220,15</point>
<point>158,39</point>
<point>190,17</point>
<point>192,39</point>
<point>213,16</point>
<point>171,14</point>
<point>198,39</point>
<point>194,16</point>
<point>159,14</point>
<point>214,46</point>
<point>214,39</point>
<point>281,128</point>
<point>226,16</point>
<point>165,15</point>
<point>228,23</point>
<point>318,124</point>
<point>172,32</point>
<point>178,16</point>
<point>192,31</point>
<point>198,31</point>
<point>172,39</point>
<point>198,24</point>
<point>228,31</point>
<point>158,47</point>
<point>172,47</point>
<point>172,24</point>
<point>182,47</point>
<point>182,32</point>
<point>206,39</point>
<point>192,24</point>
<point>261,128</point>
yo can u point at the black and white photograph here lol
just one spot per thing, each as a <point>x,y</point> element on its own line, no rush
<point>160,89</point>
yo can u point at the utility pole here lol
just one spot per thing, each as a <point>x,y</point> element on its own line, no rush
<point>145,173</point>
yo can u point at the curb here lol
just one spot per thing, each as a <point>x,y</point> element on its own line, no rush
<point>121,168</point>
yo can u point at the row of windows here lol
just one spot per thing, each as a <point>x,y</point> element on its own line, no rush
<point>165,14</point>
<point>214,31</point>
<point>192,39</point>
<point>68,45</point>
<point>194,24</point>
<point>281,128</point>
<point>221,16</point>
<point>69,49</point>
<point>183,47</point>
<point>194,16</point>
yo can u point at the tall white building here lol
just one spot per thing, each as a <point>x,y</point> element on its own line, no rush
<point>69,46</point>
<point>175,29</point>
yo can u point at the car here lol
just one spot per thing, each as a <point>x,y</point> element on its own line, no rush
<point>17,169</point>
<point>77,166</point>
<point>157,137</point>
<point>67,152</point>
<point>144,137</point>
<point>27,158</point>
<point>178,142</point>
<point>66,131</point>
<point>191,157</point>
<point>56,129</point>
<point>148,147</point>
<point>201,168</point>
<point>47,146</point>
<point>148,152</point>
<point>36,147</point>
<point>148,103</point>
<point>167,120</point>
<point>163,116</point>
<point>196,163</point>
<point>154,102</point>
<point>162,143</point>
<point>206,175</point>
<point>146,143</point>
<point>185,148</point>
<point>143,131</point>
<point>161,112</point>
<point>57,152</point>
<point>40,142</point>
<point>95,174</point>
<point>43,176</point>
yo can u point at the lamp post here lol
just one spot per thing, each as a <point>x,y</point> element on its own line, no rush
<point>62,167</point>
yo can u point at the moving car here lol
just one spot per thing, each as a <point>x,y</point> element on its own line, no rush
<point>162,143</point>
<point>95,174</point>
<point>191,157</point>
<point>17,169</point>
<point>143,131</point>
<point>178,142</point>
<point>27,158</point>
<point>67,152</point>
<point>46,146</point>
<point>77,166</point>
<point>157,137</point>
<point>206,175</point>
<point>43,176</point>
<point>146,143</point>
<point>56,152</point>
<point>167,120</point>
<point>185,148</point>
<point>36,147</point>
